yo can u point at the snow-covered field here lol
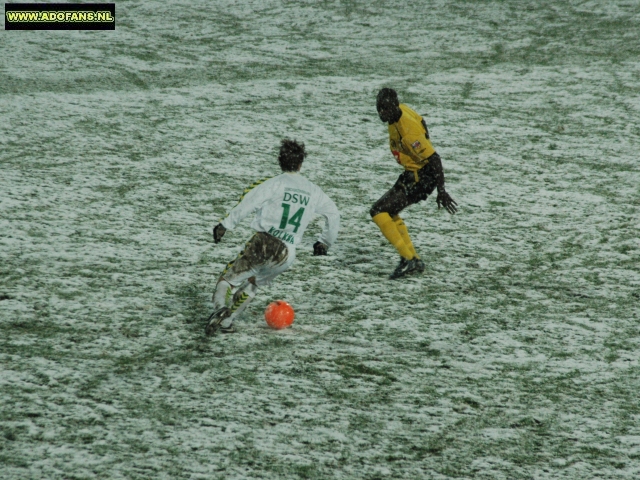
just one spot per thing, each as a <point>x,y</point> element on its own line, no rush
<point>514,356</point>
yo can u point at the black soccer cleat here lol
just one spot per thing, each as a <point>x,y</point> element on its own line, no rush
<point>215,319</point>
<point>406,267</point>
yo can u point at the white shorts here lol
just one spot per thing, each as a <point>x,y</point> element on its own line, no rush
<point>264,257</point>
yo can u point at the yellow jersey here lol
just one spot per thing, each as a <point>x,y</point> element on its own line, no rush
<point>409,140</point>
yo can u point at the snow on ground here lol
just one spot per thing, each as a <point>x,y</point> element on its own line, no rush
<point>514,356</point>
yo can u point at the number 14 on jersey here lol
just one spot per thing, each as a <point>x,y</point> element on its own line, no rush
<point>294,219</point>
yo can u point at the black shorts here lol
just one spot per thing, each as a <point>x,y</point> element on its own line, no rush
<point>420,190</point>
<point>406,191</point>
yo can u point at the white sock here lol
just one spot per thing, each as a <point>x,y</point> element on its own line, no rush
<point>223,295</point>
<point>243,298</point>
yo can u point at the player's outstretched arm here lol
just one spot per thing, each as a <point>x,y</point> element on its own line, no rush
<point>329,211</point>
<point>444,200</point>
<point>252,198</point>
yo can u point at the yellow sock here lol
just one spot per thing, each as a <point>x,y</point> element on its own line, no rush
<point>391,233</point>
<point>404,233</point>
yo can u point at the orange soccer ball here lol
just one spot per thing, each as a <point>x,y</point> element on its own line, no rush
<point>279,315</point>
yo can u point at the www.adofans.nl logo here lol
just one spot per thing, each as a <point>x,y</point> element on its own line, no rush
<point>58,16</point>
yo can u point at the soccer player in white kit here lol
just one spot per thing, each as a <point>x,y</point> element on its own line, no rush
<point>283,206</point>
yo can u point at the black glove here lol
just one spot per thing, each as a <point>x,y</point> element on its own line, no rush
<point>218,232</point>
<point>445,200</point>
<point>319,248</point>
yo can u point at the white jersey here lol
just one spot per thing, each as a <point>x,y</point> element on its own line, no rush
<point>284,205</point>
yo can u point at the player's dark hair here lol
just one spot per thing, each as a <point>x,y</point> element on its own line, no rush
<point>291,155</point>
<point>387,96</point>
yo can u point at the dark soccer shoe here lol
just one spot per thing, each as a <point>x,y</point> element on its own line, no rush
<point>405,267</point>
<point>401,269</point>
<point>216,319</point>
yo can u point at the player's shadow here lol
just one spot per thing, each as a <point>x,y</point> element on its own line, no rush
<point>366,260</point>
<point>196,306</point>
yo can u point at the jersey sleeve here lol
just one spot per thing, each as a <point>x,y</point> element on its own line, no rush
<point>253,197</point>
<point>327,209</point>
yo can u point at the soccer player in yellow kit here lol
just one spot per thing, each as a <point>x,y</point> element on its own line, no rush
<point>411,146</point>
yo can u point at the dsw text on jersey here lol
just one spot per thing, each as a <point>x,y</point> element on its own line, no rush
<point>295,198</point>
